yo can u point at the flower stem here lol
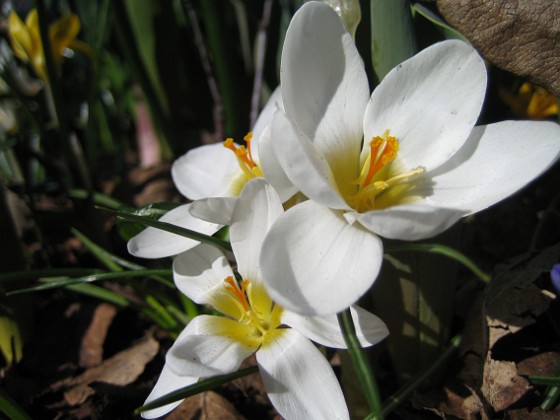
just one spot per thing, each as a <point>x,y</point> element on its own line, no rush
<point>361,363</point>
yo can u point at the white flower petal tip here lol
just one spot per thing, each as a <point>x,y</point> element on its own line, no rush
<point>410,222</point>
<point>157,243</point>
<point>310,257</point>
<point>168,382</point>
<point>298,379</point>
<point>214,209</point>
<point>496,161</point>
<point>205,171</point>
<point>325,330</point>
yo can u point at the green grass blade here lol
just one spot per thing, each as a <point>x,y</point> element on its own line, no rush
<point>65,282</point>
<point>361,363</point>
<point>447,31</point>
<point>98,198</point>
<point>45,273</point>
<point>99,293</point>
<point>168,227</point>
<point>102,256</point>
<point>446,251</point>
<point>392,35</point>
<point>197,388</point>
<point>10,408</point>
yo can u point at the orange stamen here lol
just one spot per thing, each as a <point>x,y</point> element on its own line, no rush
<point>383,150</point>
<point>239,293</point>
<point>241,152</point>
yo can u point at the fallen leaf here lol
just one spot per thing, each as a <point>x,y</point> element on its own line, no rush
<point>519,36</point>
<point>205,406</point>
<point>121,369</point>
<point>513,302</point>
<point>91,348</point>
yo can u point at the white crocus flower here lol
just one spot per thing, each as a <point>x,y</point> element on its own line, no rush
<point>214,175</point>
<point>298,379</point>
<point>405,164</point>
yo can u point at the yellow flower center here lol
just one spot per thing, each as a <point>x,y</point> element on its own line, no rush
<point>249,169</point>
<point>256,314</point>
<point>379,185</point>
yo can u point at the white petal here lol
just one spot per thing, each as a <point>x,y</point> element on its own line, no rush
<point>167,382</point>
<point>314,262</point>
<point>265,117</point>
<point>298,379</point>
<point>214,209</point>
<point>200,271</point>
<point>326,331</point>
<point>157,243</point>
<point>324,85</point>
<point>257,209</point>
<point>498,160</point>
<point>272,169</point>
<point>430,103</point>
<point>202,350</point>
<point>302,163</point>
<point>410,222</point>
<point>205,171</point>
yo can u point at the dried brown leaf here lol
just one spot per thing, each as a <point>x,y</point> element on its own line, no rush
<point>91,348</point>
<point>522,37</point>
<point>205,406</point>
<point>513,302</point>
<point>121,369</point>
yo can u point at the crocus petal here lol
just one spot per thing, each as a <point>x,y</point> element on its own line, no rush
<point>205,171</point>
<point>200,273</point>
<point>498,160</point>
<point>410,222</point>
<point>214,209</point>
<point>313,262</point>
<point>325,330</point>
<point>272,169</point>
<point>324,85</point>
<point>209,346</point>
<point>20,37</point>
<point>257,209</point>
<point>265,117</point>
<point>157,243</point>
<point>302,163</point>
<point>430,103</point>
<point>167,382</point>
<point>298,379</point>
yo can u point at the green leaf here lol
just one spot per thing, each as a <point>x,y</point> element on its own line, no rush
<point>197,388</point>
<point>45,273</point>
<point>168,227</point>
<point>392,35</point>
<point>98,198</point>
<point>447,31</point>
<point>103,256</point>
<point>99,293</point>
<point>443,250</point>
<point>544,380</point>
<point>10,408</point>
<point>65,282</point>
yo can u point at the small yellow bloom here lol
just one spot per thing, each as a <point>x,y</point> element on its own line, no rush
<point>28,46</point>
<point>531,102</point>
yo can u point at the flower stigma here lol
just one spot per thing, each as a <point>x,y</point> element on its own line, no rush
<point>249,169</point>
<point>378,185</point>
<point>255,310</point>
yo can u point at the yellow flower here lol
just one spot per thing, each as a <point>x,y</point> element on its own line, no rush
<point>28,46</point>
<point>531,102</point>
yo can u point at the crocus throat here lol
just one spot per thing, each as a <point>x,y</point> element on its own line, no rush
<point>249,169</point>
<point>376,180</point>
<point>256,310</point>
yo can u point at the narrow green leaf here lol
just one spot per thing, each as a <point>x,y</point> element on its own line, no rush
<point>99,293</point>
<point>447,31</point>
<point>45,273</point>
<point>406,391</point>
<point>98,198</point>
<point>361,363</point>
<point>392,35</point>
<point>10,408</point>
<point>102,256</point>
<point>446,251</point>
<point>544,380</point>
<point>168,227</point>
<point>197,388</point>
<point>65,282</point>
